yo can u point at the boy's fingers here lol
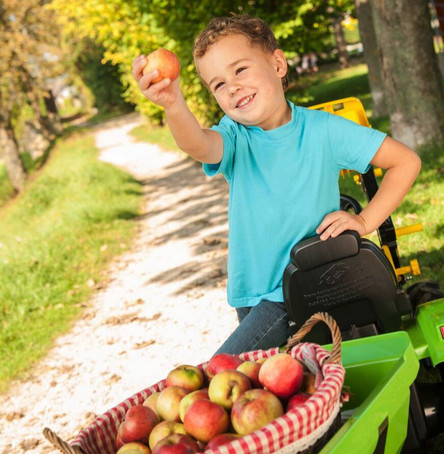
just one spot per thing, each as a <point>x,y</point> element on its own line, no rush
<point>138,64</point>
<point>154,87</point>
<point>325,223</point>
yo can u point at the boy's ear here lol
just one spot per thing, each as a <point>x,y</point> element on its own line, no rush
<point>280,63</point>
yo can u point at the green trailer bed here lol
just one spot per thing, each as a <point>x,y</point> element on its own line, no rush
<point>379,373</point>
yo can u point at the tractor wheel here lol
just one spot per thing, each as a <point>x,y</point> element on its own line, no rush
<point>423,292</point>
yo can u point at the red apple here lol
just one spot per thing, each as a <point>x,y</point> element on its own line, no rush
<point>282,375</point>
<point>165,429</point>
<point>254,409</point>
<point>222,361</point>
<point>205,419</point>
<point>151,401</point>
<point>138,424</point>
<point>297,400</point>
<point>251,370</point>
<point>221,439</point>
<point>177,444</point>
<point>134,448</point>
<point>168,402</point>
<point>189,377</point>
<point>165,62</point>
<point>190,398</point>
<point>226,386</point>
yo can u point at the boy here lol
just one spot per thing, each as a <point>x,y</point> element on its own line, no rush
<point>282,163</point>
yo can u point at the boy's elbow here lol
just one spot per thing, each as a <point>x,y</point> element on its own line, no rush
<point>416,164</point>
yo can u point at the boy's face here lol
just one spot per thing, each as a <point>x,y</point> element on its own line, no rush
<point>246,81</point>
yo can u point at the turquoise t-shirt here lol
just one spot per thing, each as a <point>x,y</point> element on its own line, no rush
<point>282,184</point>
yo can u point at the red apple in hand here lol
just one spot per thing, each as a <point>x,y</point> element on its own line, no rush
<point>251,370</point>
<point>134,448</point>
<point>165,62</point>
<point>168,402</point>
<point>222,361</point>
<point>282,375</point>
<point>165,429</point>
<point>138,424</point>
<point>190,398</point>
<point>177,444</point>
<point>205,419</point>
<point>226,386</point>
<point>189,377</point>
<point>254,409</point>
<point>297,400</point>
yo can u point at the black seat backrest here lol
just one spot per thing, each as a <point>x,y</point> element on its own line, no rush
<point>350,278</point>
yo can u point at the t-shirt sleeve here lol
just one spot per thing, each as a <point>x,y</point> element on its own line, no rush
<point>227,129</point>
<point>352,146</point>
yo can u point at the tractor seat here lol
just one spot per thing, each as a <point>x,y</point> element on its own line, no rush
<point>350,278</point>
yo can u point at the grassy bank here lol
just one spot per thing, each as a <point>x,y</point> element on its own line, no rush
<point>55,240</point>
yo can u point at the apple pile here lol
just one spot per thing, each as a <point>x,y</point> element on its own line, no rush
<point>206,408</point>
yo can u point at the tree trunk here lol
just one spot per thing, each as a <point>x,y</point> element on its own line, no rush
<point>369,41</point>
<point>344,59</point>
<point>10,155</point>
<point>53,113</point>
<point>415,95</point>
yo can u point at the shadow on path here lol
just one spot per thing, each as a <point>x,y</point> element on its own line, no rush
<point>194,208</point>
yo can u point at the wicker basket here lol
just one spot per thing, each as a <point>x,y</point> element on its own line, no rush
<point>304,429</point>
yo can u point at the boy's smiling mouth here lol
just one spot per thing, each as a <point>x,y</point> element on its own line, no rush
<point>245,101</point>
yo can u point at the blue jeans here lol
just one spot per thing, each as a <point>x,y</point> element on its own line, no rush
<point>260,327</point>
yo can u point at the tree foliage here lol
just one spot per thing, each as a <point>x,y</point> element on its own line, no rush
<point>126,28</point>
<point>28,57</point>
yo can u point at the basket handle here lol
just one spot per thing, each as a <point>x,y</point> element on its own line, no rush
<point>335,356</point>
<point>63,446</point>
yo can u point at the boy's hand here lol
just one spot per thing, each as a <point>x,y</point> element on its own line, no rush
<point>338,221</point>
<point>164,93</point>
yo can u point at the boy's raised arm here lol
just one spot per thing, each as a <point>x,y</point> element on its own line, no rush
<point>201,144</point>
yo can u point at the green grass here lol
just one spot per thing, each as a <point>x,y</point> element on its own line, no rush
<point>6,189</point>
<point>155,134</point>
<point>56,236</point>
<point>334,84</point>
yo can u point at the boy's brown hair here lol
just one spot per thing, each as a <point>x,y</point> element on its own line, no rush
<point>256,30</point>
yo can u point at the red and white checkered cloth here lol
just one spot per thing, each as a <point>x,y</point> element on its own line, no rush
<point>294,431</point>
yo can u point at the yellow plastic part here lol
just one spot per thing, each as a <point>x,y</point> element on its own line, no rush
<point>387,253</point>
<point>378,171</point>
<point>413,268</point>
<point>409,229</point>
<point>350,108</point>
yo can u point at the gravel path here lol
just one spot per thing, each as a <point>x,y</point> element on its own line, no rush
<point>162,303</point>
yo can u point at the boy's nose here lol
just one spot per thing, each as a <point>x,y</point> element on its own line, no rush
<point>233,88</point>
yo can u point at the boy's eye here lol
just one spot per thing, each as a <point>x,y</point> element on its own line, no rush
<point>239,70</point>
<point>218,85</point>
